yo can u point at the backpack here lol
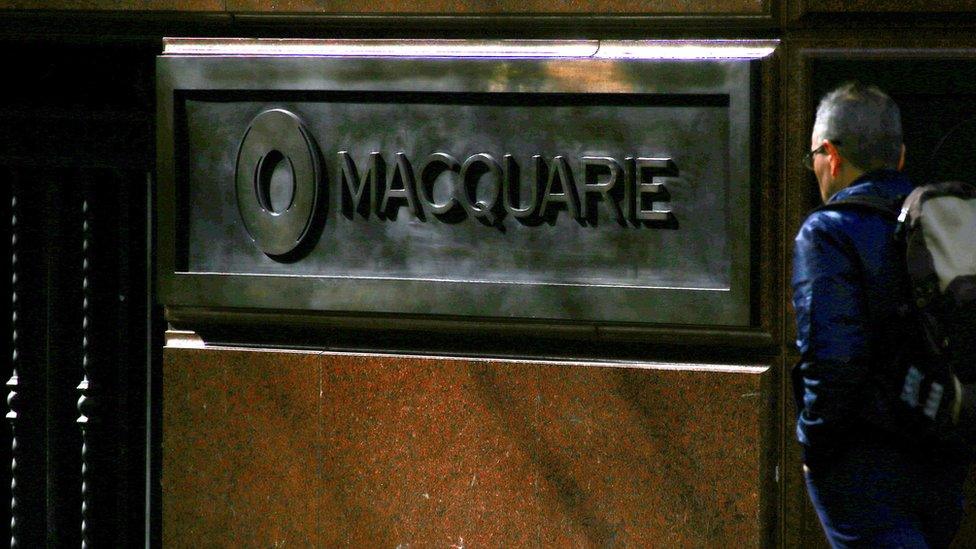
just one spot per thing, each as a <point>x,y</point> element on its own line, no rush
<point>932,388</point>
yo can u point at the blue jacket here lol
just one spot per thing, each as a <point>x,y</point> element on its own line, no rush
<point>848,285</point>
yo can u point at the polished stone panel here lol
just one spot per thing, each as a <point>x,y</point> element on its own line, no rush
<point>115,5</point>
<point>503,6</point>
<point>241,451</point>
<point>426,234</point>
<point>336,449</point>
<point>680,7</point>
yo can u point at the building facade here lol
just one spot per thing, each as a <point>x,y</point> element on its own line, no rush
<point>362,354</point>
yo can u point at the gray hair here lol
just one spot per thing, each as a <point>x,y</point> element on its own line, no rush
<point>864,123</point>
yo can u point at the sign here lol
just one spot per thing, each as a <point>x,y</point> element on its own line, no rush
<point>563,188</point>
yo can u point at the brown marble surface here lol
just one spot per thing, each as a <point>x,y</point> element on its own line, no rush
<point>503,6</point>
<point>677,7</point>
<point>322,449</point>
<point>114,5</point>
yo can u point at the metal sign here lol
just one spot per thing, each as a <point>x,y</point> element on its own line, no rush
<point>528,182</point>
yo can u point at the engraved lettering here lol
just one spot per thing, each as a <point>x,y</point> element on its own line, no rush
<point>632,191</point>
<point>567,194</point>
<point>358,195</point>
<point>437,165</point>
<point>648,194</point>
<point>512,187</point>
<point>592,187</point>
<point>406,191</point>
<point>480,172</point>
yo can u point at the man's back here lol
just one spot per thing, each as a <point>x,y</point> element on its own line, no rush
<point>847,290</point>
<point>849,284</point>
<point>870,487</point>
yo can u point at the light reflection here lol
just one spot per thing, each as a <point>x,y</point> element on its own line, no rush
<point>380,48</point>
<point>607,49</point>
<point>598,76</point>
<point>685,49</point>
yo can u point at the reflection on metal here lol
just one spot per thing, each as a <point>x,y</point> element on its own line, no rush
<point>276,138</point>
<point>183,339</point>
<point>609,187</point>
<point>380,48</point>
<point>685,49</point>
<point>602,49</point>
<point>597,75</point>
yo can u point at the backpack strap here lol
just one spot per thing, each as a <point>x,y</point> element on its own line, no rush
<point>877,204</point>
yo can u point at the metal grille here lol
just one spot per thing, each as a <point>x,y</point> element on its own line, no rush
<point>74,158</point>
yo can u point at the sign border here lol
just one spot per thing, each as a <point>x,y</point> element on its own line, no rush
<point>305,70</point>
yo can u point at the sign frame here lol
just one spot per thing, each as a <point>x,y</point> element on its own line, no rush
<point>189,65</point>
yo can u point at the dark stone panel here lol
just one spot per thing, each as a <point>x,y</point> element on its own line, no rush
<point>378,450</point>
<point>966,536</point>
<point>878,14</point>
<point>556,269</point>
<point>889,6</point>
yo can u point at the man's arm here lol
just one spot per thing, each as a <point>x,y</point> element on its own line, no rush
<point>831,319</point>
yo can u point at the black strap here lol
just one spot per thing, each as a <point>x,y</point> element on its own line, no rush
<point>883,206</point>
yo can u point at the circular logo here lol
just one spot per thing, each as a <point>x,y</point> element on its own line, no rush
<point>277,181</point>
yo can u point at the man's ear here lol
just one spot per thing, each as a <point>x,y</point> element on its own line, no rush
<point>834,157</point>
<point>901,160</point>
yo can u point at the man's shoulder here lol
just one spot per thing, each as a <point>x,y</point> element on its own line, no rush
<point>852,214</point>
<point>856,224</point>
<point>830,223</point>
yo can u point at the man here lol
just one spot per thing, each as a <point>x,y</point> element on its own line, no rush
<point>872,485</point>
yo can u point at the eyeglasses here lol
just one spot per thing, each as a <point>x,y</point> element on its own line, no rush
<point>808,158</point>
